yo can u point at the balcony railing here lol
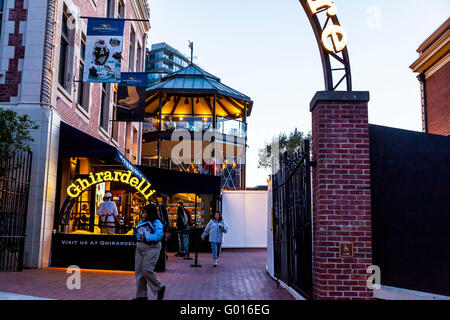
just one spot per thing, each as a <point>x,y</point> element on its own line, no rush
<point>224,126</point>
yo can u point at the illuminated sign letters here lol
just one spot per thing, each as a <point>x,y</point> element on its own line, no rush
<point>334,38</point>
<point>80,185</point>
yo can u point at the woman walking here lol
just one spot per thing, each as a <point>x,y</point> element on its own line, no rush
<point>149,233</point>
<point>216,228</point>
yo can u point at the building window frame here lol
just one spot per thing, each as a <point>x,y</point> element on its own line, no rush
<point>121,9</point>
<point>104,108</point>
<point>64,51</point>
<point>83,88</point>
<point>132,52</point>
<point>109,8</point>
<point>115,124</point>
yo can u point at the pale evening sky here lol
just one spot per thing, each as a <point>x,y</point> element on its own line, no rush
<point>267,50</point>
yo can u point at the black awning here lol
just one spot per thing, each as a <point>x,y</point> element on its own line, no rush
<point>75,143</point>
<point>172,181</point>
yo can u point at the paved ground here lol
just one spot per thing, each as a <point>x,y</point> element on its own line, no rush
<point>240,275</point>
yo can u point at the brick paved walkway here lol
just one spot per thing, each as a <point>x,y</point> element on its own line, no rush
<point>241,275</point>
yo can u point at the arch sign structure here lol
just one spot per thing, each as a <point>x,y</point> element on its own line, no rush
<point>80,185</point>
<point>332,40</point>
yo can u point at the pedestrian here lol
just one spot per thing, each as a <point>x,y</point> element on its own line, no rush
<point>215,228</point>
<point>107,212</point>
<point>182,230</point>
<point>165,220</point>
<point>149,233</point>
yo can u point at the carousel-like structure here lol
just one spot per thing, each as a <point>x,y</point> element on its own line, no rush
<point>210,116</point>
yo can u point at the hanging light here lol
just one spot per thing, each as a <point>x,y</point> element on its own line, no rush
<point>197,101</point>
<point>186,101</point>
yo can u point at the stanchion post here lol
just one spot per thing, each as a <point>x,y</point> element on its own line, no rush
<point>196,265</point>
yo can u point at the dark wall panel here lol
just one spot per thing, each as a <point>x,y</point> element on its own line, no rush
<point>410,181</point>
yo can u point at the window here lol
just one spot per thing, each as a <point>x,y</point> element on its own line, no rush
<point>121,10</point>
<point>83,88</point>
<point>115,124</point>
<point>135,146</point>
<point>139,58</point>
<point>132,50</point>
<point>128,138</point>
<point>64,52</point>
<point>1,15</point>
<point>109,8</point>
<point>104,112</point>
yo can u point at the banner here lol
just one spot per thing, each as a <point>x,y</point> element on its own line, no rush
<point>104,42</point>
<point>131,97</point>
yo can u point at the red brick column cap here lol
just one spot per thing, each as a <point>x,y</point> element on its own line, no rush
<point>339,96</point>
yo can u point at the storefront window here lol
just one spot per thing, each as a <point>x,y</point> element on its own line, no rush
<point>79,212</point>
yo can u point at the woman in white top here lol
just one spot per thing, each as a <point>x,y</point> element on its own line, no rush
<point>216,228</point>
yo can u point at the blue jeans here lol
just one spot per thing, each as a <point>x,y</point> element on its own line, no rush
<point>183,242</point>
<point>216,247</point>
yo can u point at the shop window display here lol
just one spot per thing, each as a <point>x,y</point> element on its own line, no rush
<point>79,215</point>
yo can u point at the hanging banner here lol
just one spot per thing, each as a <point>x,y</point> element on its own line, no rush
<point>104,42</point>
<point>131,97</point>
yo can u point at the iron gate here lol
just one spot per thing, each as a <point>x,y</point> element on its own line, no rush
<point>14,187</point>
<point>292,229</point>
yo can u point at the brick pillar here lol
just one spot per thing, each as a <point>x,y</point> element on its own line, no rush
<point>341,195</point>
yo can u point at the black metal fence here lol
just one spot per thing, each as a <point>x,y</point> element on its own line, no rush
<point>292,230</point>
<point>14,188</point>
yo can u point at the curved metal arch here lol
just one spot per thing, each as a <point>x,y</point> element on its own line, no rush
<point>342,57</point>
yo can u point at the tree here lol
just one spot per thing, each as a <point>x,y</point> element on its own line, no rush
<point>283,142</point>
<point>15,133</point>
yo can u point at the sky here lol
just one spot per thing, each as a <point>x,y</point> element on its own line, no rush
<point>267,50</point>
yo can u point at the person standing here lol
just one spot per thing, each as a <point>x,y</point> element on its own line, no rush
<point>215,228</point>
<point>149,233</point>
<point>182,230</point>
<point>107,212</point>
<point>165,220</point>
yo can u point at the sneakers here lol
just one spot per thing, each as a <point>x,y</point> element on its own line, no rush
<point>161,292</point>
<point>216,262</point>
<point>180,254</point>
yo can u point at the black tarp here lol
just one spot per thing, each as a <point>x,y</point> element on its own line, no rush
<point>172,181</point>
<point>410,182</point>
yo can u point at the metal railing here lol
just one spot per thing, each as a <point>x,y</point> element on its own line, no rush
<point>15,176</point>
<point>197,123</point>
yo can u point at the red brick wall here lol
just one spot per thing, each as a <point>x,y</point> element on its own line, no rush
<point>13,75</point>
<point>438,101</point>
<point>341,199</point>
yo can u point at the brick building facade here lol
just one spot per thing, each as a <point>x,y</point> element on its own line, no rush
<point>41,52</point>
<point>433,66</point>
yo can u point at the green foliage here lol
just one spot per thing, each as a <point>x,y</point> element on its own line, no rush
<point>15,133</point>
<point>286,142</point>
